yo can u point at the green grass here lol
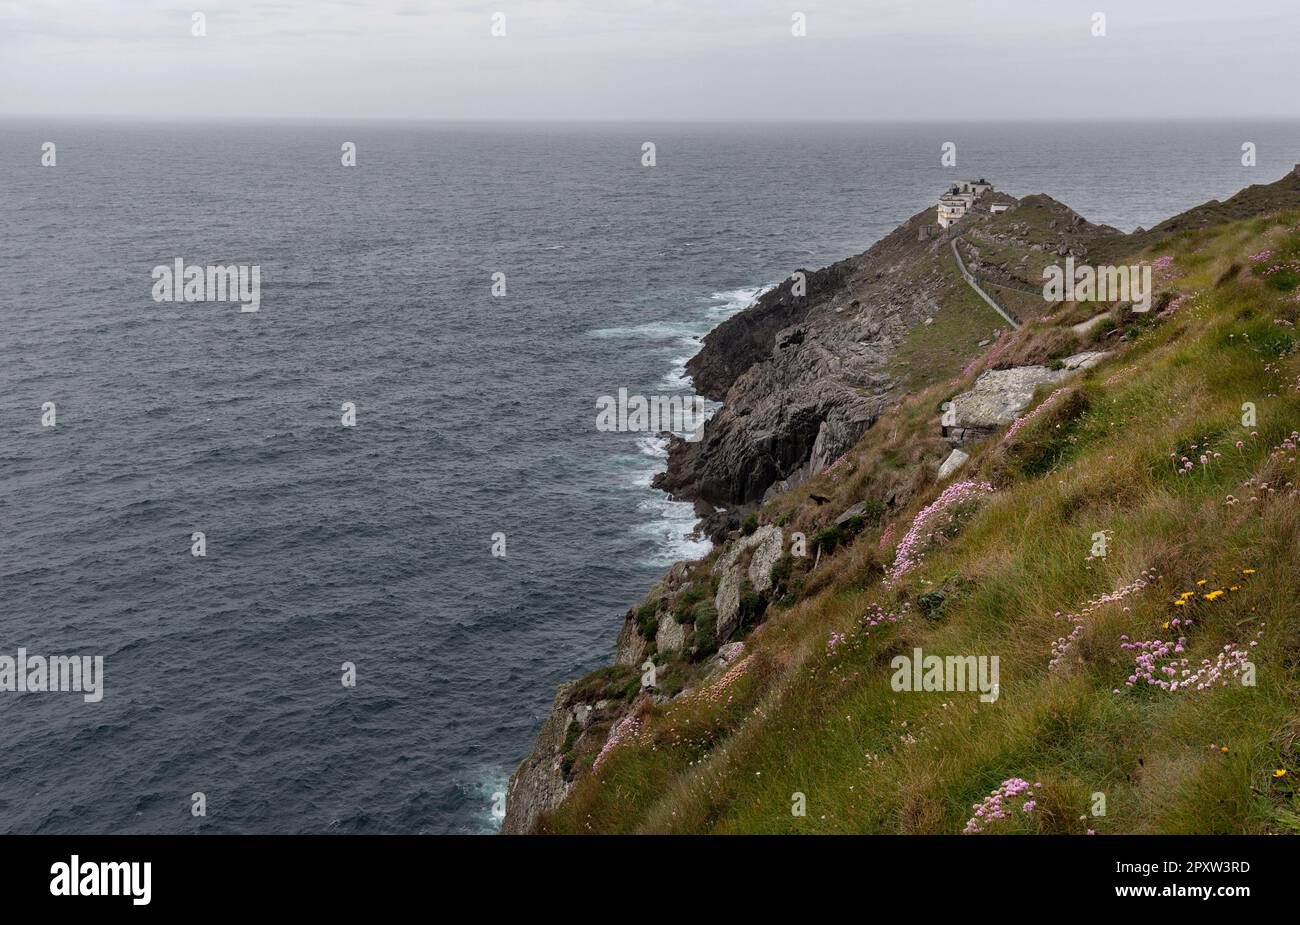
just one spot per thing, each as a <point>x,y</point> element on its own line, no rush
<point>936,351</point>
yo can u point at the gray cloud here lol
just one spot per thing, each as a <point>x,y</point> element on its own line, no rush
<point>649,59</point>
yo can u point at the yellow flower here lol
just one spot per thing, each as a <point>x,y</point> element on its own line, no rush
<point>1179,603</point>
<point>1234,587</point>
<point>1280,772</point>
<point>1224,749</point>
<point>1248,571</point>
<point>1165,625</point>
<point>1201,582</point>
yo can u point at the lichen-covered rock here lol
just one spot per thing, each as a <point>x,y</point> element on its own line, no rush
<point>538,784</point>
<point>631,644</point>
<point>765,543</point>
<point>766,552</point>
<point>671,635</point>
<point>727,603</point>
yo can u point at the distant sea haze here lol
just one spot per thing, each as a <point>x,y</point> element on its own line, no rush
<point>474,415</point>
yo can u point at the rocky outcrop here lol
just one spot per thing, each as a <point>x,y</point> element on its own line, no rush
<point>999,395</point>
<point>763,547</point>
<point>766,551</point>
<point>538,784</point>
<point>801,378</point>
<point>631,644</point>
<point>747,338</point>
<point>671,635</point>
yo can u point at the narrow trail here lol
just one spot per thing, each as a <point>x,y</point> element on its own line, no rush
<point>974,284</point>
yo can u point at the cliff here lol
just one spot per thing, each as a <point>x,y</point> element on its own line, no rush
<point>899,472</point>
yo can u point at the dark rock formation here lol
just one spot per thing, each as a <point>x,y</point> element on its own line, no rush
<point>801,378</point>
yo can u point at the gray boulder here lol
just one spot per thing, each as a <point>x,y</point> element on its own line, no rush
<point>1000,395</point>
<point>954,462</point>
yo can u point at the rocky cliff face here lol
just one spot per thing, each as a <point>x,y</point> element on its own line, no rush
<point>801,377</point>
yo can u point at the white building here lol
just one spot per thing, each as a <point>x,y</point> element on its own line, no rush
<point>959,199</point>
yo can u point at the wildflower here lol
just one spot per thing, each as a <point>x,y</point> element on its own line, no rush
<point>1280,772</point>
<point>1024,419</point>
<point>909,550</point>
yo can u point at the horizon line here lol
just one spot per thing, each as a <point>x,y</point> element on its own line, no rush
<point>657,120</point>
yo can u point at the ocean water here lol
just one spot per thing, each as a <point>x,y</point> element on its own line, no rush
<point>475,415</point>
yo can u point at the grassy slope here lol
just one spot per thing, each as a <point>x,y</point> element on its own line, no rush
<point>798,718</point>
<point>942,348</point>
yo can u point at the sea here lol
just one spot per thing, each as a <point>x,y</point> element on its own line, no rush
<point>384,607</point>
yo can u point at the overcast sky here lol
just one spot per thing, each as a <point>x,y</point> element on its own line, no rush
<point>652,59</point>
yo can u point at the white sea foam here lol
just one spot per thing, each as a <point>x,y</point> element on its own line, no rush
<point>717,307</point>
<point>671,524</point>
<point>677,377</point>
<point>655,330</point>
<point>653,446</point>
<point>484,790</point>
<point>670,531</point>
<point>730,301</point>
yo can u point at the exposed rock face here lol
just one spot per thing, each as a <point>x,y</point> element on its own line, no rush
<point>766,552</point>
<point>749,336</point>
<point>671,635</point>
<point>766,545</point>
<point>856,510</point>
<point>728,654</point>
<point>999,395</point>
<point>802,378</point>
<point>727,603</point>
<point>538,784</point>
<point>631,646</point>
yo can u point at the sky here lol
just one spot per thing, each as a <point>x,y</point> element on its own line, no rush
<point>632,60</point>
